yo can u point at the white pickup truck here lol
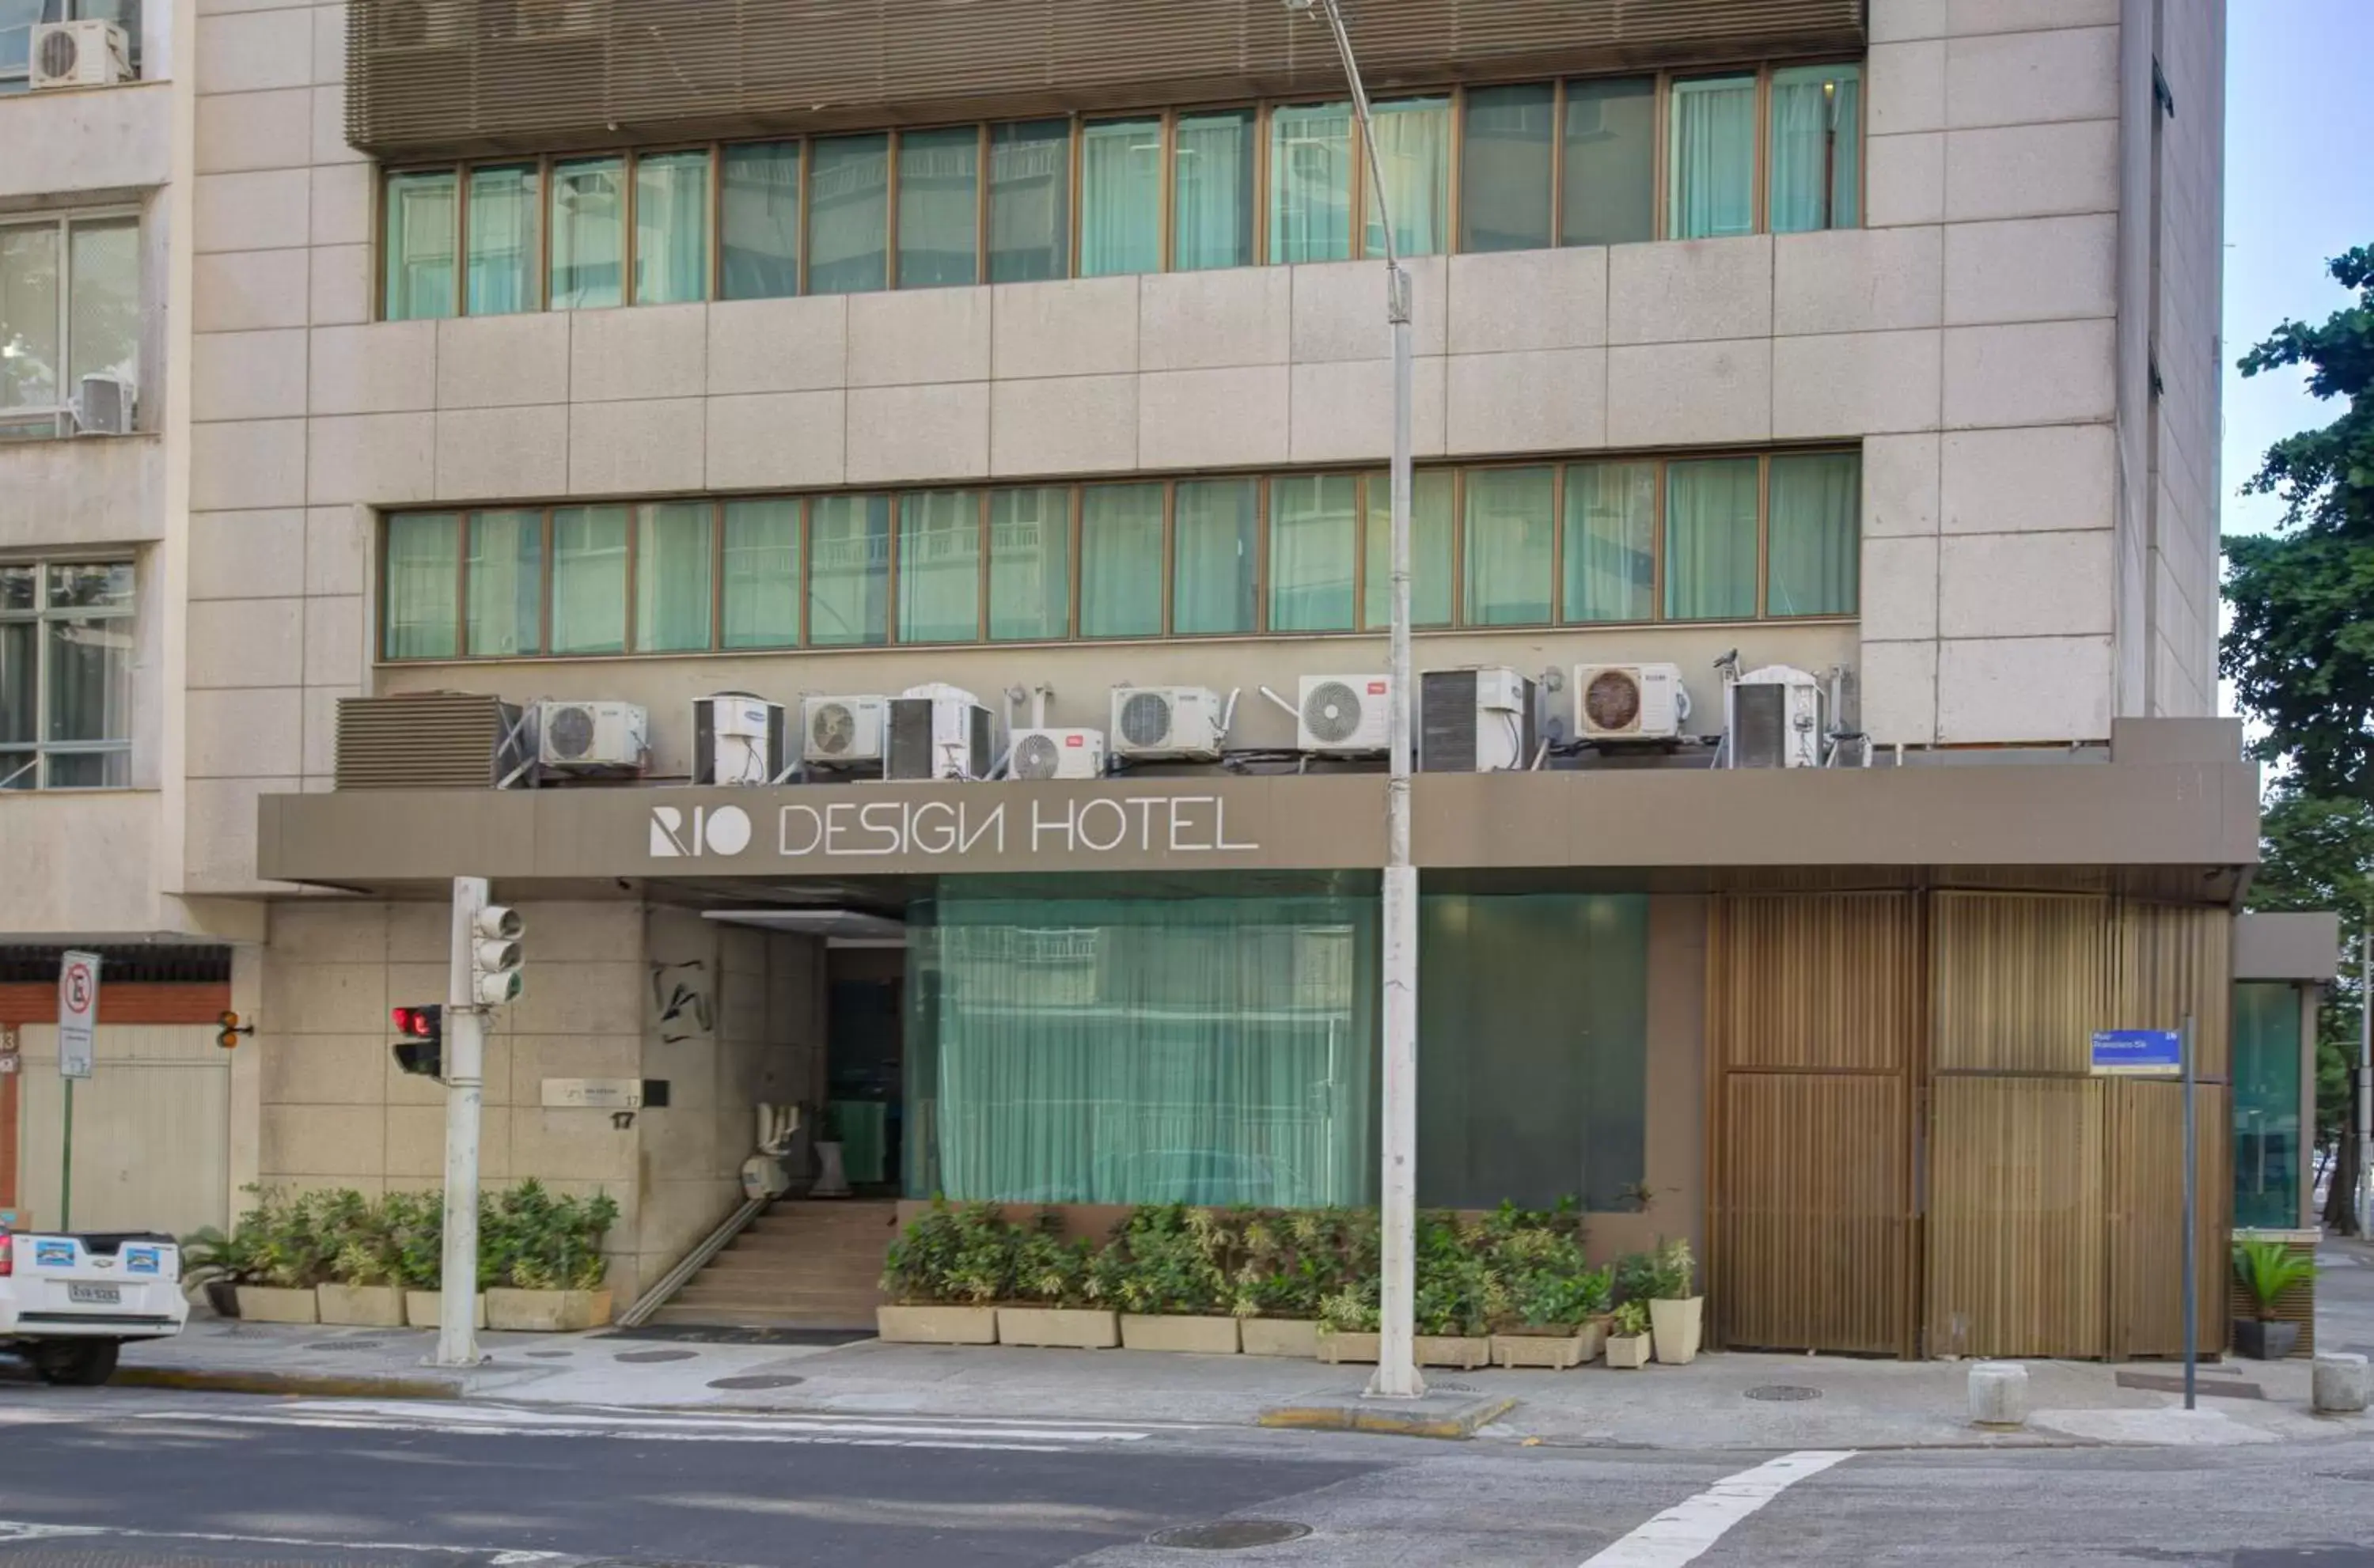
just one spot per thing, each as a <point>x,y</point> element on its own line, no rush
<point>68,1302</point>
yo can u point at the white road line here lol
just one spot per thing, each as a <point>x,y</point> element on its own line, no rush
<point>1682,1533</point>
<point>17,1530</point>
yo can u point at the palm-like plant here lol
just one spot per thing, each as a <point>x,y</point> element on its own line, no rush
<point>2268,1269</point>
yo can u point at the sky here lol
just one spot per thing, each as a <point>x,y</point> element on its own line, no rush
<point>2300,189</point>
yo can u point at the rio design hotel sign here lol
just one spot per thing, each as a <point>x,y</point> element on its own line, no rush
<point>975,823</point>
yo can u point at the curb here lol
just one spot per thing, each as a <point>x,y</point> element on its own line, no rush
<point>1455,1422</point>
<point>318,1384</point>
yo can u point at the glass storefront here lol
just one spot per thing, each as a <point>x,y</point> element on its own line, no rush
<point>2269,1148</point>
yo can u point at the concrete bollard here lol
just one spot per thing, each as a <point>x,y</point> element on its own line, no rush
<point>1998,1394</point>
<point>2339,1385</point>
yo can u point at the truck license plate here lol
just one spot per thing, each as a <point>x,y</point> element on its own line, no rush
<point>95,1295</point>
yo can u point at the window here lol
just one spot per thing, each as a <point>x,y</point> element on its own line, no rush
<point>939,207</point>
<point>1029,563</point>
<point>66,675</point>
<point>1120,560</point>
<point>1430,550</point>
<point>1310,182</point>
<point>69,308</point>
<point>671,228</point>
<point>1212,191</point>
<point>760,244</point>
<point>849,571</point>
<point>939,565</point>
<point>1816,139</point>
<point>589,580</point>
<point>587,234</point>
<point>505,584</point>
<point>1314,527</point>
<point>673,568</point>
<point>1711,540</point>
<point>18,17</point>
<point>1215,533</point>
<point>1414,152</point>
<point>1504,172</point>
<point>2270,1153</point>
<point>501,225</point>
<point>1816,535</point>
<point>1611,542</point>
<point>419,246</point>
<point>1508,529</point>
<point>1607,193</point>
<point>1120,197</point>
<point>849,215</point>
<point>1030,200</point>
<point>420,585</point>
<point>1711,163</point>
<point>762,574</point>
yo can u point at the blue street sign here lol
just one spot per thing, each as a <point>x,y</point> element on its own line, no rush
<point>2158,1053</point>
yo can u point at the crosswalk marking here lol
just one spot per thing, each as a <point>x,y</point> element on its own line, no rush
<point>1683,1533</point>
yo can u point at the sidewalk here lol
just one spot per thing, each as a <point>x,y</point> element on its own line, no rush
<point>1720,1401</point>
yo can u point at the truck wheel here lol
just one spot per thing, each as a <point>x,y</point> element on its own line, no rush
<point>84,1364</point>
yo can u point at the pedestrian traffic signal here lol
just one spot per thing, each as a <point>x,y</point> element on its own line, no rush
<point>422,1049</point>
<point>495,955</point>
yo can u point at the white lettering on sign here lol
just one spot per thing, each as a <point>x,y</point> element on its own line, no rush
<point>1102,825</point>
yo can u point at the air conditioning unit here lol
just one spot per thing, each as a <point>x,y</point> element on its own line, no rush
<point>1477,721</point>
<point>1345,714</point>
<point>1629,702</point>
<point>937,731</point>
<point>1177,724</point>
<point>736,739</point>
<point>551,19</point>
<point>79,54</point>
<point>843,731</point>
<point>1774,719</point>
<point>580,737</point>
<point>401,26</point>
<point>105,406</point>
<point>1057,754</point>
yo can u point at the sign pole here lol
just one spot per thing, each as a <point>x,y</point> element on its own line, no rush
<point>78,1017</point>
<point>457,1340</point>
<point>66,1162</point>
<point>2192,1240</point>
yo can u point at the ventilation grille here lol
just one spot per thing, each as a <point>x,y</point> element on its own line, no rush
<point>1447,721</point>
<point>832,729</point>
<point>1760,712</point>
<point>1332,712</point>
<point>1037,757</point>
<point>431,741</point>
<point>512,76</point>
<point>1145,719</point>
<point>1612,701</point>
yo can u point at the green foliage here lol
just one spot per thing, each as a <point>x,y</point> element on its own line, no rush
<point>415,1226</point>
<point>1672,1269</point>
<point>1636,1276</point>
<point>2318,854</point>
<point>1632,1319</point>
<point>209,1253</point>
<point>1050,1271</point>
<point>1458,1292</point>
<point>530,1239</point>
<point>958,1254</point>
<point>1352,1309</point>
<point>2267,1269</point>
<point>1167,1257</point>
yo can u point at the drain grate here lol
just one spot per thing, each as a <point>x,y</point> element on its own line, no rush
<point>551,1356</point>
<point>640,1356</point>
<point>1229,1535</point>
<point>1782,1393</point>
<point>757,1380</point>
<point>1449,1387</point>
<point>346,1345</point>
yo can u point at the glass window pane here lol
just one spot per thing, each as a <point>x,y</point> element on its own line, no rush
<point>1711,540</point>
<point>19,590</point>
<point>506,585</point>
<point>420,581</point>
<point>588,215</point>
<point>1310,183</point>
<point>1711,167</point>
<point>760,203</point>
<point>1213,536</point>
<point>504,206</point>
<point>1414,151</point>
<point>1504,169</point>
<point>589,580</point>
<point>1610,179</point>
<point>1817,143</point>
<point>1212,191</point>
<point>17,19</point>
<point>939,565</point>
<point>1430,535</point>
<point>29,316</point>
<point>419,245</point>
<point>89,678</point>
<point>2269,1151</point>
<point>1816,534</point>
<point>103,316</point>
<point>1313,547</point>
<point>1508,554</point>
<point>673,582</point>
<point>20,700</point>
<point>671,228</point>
<point>939,207</point>
<point>1611,541</point>
<point>762,573</point>
<point>1120,560</point>
<point>1030,564</point>
<point>1030,200</point>
<point>849,570</point>
<point>97,587</point>
<point>849,215</point>
<point>1120,197</point>
<point>89,770</point>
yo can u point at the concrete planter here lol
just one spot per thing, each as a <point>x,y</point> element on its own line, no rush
<point>268,1304</point>
<point>1554,1352</point>
<point>1295,1337</point>
<point>1058,1327</point>
<point>936,1324</point>
<point>1464,1351</point>
<point>1336,1348</point>
<point>421,1308</point>
<point>2264,1338</point>
<point>547,1312</point>
<point>1191,1336</point>
<point>1678,1325</point>
<point>362,1306</point>
<point>1628,1350</point>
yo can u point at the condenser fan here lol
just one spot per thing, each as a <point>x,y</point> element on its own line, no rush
<point>1332,712</point>
<point>1145,719</point>
<point>573,732</point>
<point>1613,701</point>
<point>833,729</point>
<point>1036,756</point>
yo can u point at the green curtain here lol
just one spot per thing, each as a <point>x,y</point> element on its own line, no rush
<point>759,203</point>
<point>671,228</point>
<point>1212,191</point>
<point>1711,540</point>
<point>1113,1050</point>
<point>1120,560</point>
<point>1120,197</point>
<point>673,563</point>
<point>419,247</point>
<point>1815,534</point>
<point>2269,1147</point>
<point>939,565</point>
<point>588,238</point>
<point>1215,533</point>
<point>1611,541</point>
<point>762,573</point>
<point>503,213</point>
<point>589,580</point>
<point>1816,144</point>
<point>506,584</point>
<point>1430,533</point>
<point>1504,167</point>
<point>1030,200</point>
<point>1533,1048</point>
<point>1310,182</point>
<point>849,214</point>
<point>1711,171</point>
<point>1610,194</point>
<point>849,570</point>
<point>939,207</point>
<point>1029,563</point>
<point>1313,551</point>
<point>422,620</point>
<point>1508,533</point>
<point>1414,151</point>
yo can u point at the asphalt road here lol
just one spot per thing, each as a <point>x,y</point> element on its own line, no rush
<point>117,1478</point>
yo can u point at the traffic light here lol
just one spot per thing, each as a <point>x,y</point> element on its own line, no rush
<point>422,1049</point>
<point>495,955</point>
<point>227,1029</point>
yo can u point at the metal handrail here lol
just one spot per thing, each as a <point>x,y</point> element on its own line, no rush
<point>693,1263</point>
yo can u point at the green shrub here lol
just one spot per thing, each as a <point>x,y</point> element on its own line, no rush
<point>1632,1319</point>
<point>1050,1271</point>
<point>530,1239</point>
<point>2266,1269</point>
<point>1166,1257</point>
<point>415,1229</point>
<point>958,1254</point>
<point>1636,1276</point>
<point>1671,1271</point>
<point>1458,1290</point>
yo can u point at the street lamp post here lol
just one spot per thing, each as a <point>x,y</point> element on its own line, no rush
<point>1397,1375</point>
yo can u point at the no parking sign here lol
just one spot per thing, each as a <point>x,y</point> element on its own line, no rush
<point>77,1012</point>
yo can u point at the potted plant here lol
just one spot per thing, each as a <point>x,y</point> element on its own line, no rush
<point>1628,1341</point>
<point>1161,1272</point>
<point>1347,1323</point>
<point>944,1273</point>
<point>216,1265</point>
<point>1281,1266</point>
<point>1674,1308</point>
<point>1054,1290</point>
<point>416,1226</point>
<point>548,1264</point>
<point>1560,1320</point>
<point>1458,1296</point>
<point>2267,1269</point>
<point>292,1259</point>
<point>362,1290</point>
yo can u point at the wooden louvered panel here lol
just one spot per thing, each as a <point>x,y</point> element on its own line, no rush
<point>2176,961</point>
<point>2016,1229</point>
<point>2023,980</point>
<point>1811,1228</point>
<point>1819,981</point>
<point>433,741</point>
<point>2145,1191</point>
<point>2294,1305</point>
